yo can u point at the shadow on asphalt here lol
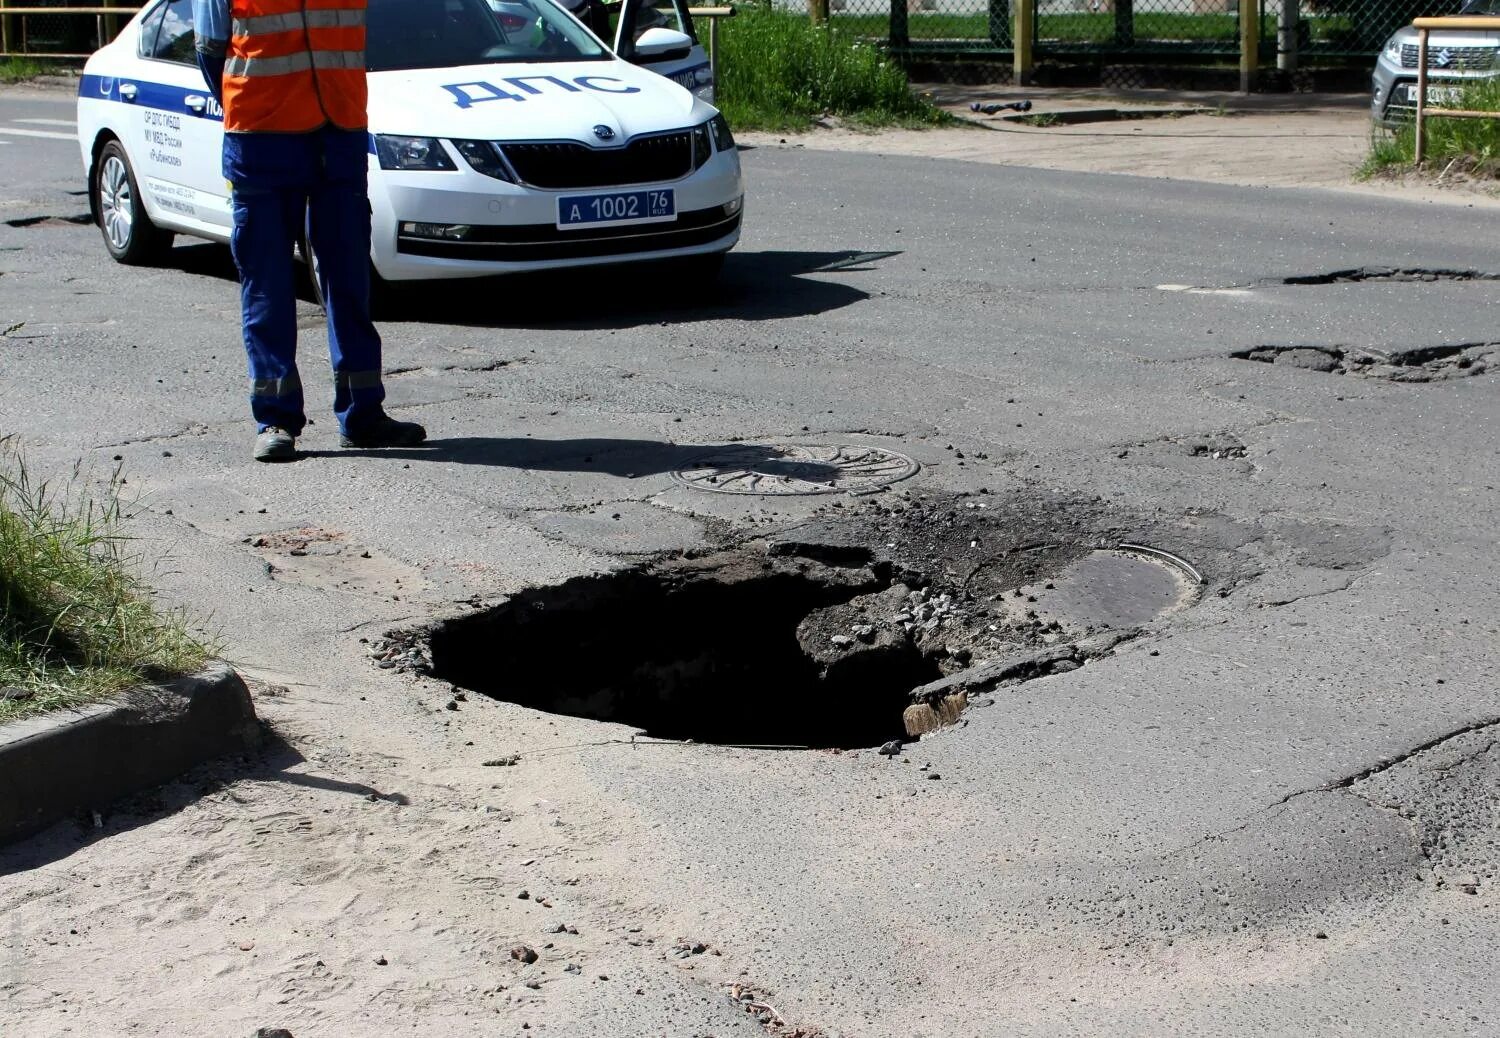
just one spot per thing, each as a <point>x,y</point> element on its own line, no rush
<point>754,286</point>
<point>272,764</point>
<point>623,458</point>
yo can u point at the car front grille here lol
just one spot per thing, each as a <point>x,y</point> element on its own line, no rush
<point>1459,59</point>
<point>568,164</point>
<point>525,243</point>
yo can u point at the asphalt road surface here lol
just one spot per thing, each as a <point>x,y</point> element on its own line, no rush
<point>1275,812</point>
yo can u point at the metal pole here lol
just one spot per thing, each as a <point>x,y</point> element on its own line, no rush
<point>1249,44</point>
<point>1286,35</point>
<point>1124,23</point>
<point>1421,151</point>
<point>900,27</point>
<point>713,50</point>
<point>1024,33</point>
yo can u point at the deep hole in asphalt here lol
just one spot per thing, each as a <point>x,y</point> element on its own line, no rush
<point>837,634</point>
<point>713,657</point>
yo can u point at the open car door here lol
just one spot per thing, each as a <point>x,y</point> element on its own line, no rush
<point>659,35</point>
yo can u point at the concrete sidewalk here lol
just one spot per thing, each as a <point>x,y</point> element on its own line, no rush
<point>1259,140</point>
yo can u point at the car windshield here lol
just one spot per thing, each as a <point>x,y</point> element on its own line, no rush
<point>1481,7</point>
<point>408,34</point>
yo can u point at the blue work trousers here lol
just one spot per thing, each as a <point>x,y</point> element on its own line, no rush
<point>280,181</point>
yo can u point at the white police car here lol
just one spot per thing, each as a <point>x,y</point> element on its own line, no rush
<point>504,136</point>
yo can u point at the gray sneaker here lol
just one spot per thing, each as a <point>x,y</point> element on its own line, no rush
<point>275,445</point>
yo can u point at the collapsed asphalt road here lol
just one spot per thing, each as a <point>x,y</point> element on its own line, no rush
<point>1272,809</point>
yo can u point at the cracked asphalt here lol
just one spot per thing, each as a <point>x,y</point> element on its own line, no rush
<point>1273,813</point>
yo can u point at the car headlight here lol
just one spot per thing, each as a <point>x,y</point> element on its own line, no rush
<point>718,126</point>
<point>411,153</point>
<point>701,150</point>
<point>484,158</point>
<point>1392,51</point>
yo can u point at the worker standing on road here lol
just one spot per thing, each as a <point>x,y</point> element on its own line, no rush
<point>290,75</point>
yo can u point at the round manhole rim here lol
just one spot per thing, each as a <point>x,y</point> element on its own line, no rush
<point>732,471</point>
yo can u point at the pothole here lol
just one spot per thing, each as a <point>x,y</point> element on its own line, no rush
<point>1416,364</point>
<point>846,635</point>
<point>1083,116</point>
<point>1359,274</point>
<point>50,221</point>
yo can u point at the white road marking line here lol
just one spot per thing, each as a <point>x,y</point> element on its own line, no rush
<point>48,122</point>
<point>11,131</point>
<point>1195,291</point>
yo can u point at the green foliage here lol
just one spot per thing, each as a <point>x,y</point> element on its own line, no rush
<point>778,71</point>
<point>1472,145</point>
<point>76,623</point>
<point>19,70</point>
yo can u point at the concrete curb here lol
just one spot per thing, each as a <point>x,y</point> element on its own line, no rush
<point>56,765</point>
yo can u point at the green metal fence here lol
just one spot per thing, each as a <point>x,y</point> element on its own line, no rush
<point>59,28</point>
<point>1159,30</point>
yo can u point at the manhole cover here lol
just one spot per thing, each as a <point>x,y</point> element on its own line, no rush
<point>1121,587</point>
<point>798,468</point>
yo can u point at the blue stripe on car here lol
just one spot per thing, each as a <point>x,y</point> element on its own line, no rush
<point>148,95</point>
<point>152,95</point>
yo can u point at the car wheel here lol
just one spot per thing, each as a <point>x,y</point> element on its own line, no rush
<point>128,232</point>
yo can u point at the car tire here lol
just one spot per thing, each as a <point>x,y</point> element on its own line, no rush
<point>120,212</point>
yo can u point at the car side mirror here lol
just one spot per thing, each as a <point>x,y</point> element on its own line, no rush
<point>656,45</point>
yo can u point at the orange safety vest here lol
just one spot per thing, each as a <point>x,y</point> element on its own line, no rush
<point>295,65</point>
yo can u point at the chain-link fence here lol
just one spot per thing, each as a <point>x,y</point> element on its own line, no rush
<point>77,29</point>
<point>1157,30</point>
<point>1164,32</point>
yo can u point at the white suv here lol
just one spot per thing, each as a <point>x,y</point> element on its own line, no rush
<point>1454,59</point>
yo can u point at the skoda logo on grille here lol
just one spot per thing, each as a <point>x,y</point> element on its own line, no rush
<point>604,133</point>
<point>1444,58</point>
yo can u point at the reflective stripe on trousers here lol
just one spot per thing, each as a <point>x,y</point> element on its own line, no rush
<point>356,379</point>
<point>276,388</point>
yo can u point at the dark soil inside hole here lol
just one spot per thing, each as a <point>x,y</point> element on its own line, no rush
<point>708,653</point>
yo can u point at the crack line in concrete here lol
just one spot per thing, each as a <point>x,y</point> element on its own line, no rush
<point>1346,586</point>
<point>1344,785</point>
<point>1391,762</point>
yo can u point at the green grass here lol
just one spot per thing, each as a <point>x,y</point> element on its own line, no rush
<point>779,72</point>
<point>19,70</point>
<point>1471,145</point>
<point>76,622</point>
